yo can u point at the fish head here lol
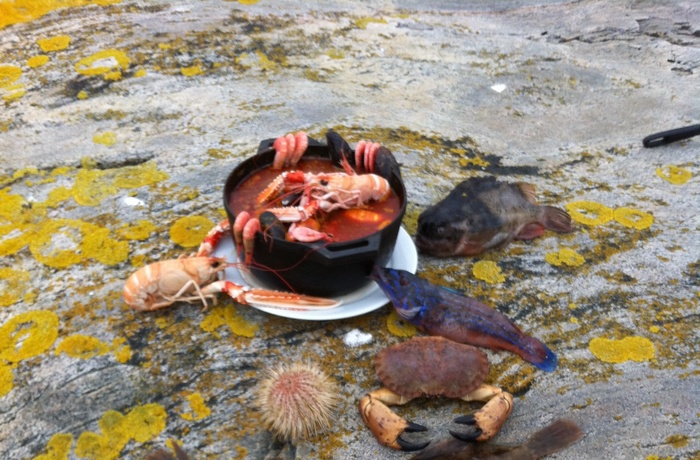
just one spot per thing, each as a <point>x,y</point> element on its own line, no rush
<point>440,231</point>
<point>402,288</point>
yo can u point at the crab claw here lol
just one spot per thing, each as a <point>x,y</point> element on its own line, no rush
<point>388,427</point>
<point>488,420</point>
<point>269,298</point>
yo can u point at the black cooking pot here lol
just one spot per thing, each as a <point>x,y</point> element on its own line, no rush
<point>320,269</point>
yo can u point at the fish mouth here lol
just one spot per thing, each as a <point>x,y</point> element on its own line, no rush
<point>421,241</point>
<point>434,248</point>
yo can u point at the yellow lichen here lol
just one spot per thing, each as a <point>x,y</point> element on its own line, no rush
<point>58,447</point>
<point>13,285</point>
<point>398,326</point>
<point>362,22</point>
<point>138,176</point>
<point>489,271</point>
<point>17,92</point>
<point>107,138</point>
<point>565,256</point>
<point>122,352</point>
<point>198,406</point>
<point>189,231</point>
<point>60,243</point>
<point>82,346</point>
<point>103,62</point>
<point>82,95</point>
<point>589,212</point>
<point>674,174</point>
<point>27,335</point>
<point>9,74</point>
<point>264,62</point>
<point>57,43</point>
<point>139,230</point>
<point>92,185</point>
<point>141,424</point>
<point>16,12</point>
<point>192,71</point>
<point>6,379</point>
<point>228,315</point>
<point>678,440</point>
<point>632,348</point>
<point>654,329</point>
<point>248,2</point>
<point>99,246</point>
<point>37,61</point>
<point>633,218</point>
<point>335,53</point>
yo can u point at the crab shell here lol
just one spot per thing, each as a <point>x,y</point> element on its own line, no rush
<point>431,366</point>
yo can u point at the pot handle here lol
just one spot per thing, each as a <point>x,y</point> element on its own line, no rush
<point>347,252</point>
<point>266,145</point>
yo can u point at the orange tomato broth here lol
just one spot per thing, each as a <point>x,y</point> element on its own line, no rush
<point>342,225</point>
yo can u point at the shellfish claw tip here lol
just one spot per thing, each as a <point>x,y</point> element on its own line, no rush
<point>411,447</point>
<point>466,437</point>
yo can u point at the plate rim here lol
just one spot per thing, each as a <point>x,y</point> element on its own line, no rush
<point>404,249</point>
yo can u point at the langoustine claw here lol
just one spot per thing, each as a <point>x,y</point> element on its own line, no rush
<point>432,366</point>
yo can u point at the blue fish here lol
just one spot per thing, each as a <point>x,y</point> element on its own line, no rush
<point>440,311</point>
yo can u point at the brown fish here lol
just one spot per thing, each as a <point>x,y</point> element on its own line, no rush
<point>550,439</point>
<point>162,454</point>
<point>482,213</point>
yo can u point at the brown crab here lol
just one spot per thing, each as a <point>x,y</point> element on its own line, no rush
<point>432,366</point>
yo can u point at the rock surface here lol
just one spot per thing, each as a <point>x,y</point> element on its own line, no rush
<point>121,120</point>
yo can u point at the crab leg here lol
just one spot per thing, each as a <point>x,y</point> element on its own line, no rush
<point>268,298</point>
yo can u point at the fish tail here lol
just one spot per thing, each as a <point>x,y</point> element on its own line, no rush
<point>537,353</point>
<point>556,436</point>
<point>556,219</point>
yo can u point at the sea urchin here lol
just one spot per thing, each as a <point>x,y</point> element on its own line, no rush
<point>297,400</point>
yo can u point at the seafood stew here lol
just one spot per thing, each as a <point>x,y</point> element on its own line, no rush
<point>342,224</point>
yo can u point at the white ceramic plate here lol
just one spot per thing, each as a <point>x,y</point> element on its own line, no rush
<point>364,300</point>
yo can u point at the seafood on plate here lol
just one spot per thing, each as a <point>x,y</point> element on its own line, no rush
<point>483,213</point>
<point>432,366</point>
<point>194,278</point>
<point>440,311</point>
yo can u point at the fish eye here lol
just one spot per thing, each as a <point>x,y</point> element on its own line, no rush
<point>403,281</point>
